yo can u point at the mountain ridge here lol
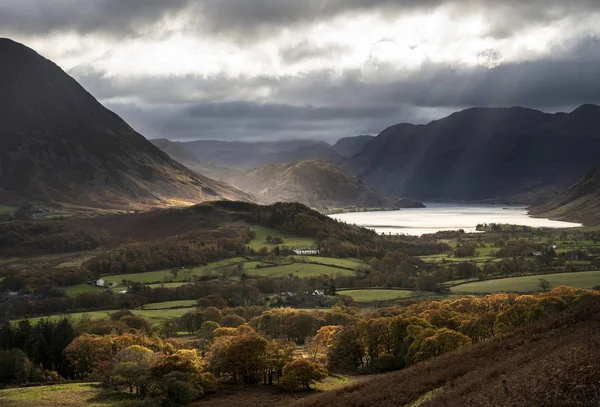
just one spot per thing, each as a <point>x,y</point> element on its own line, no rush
<point>316,183</point>
<point>482,154</point>
<point>240,154</point>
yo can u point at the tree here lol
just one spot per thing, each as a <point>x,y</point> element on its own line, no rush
<point>207,330</point>
<point>544,284</point>
<point>319,345</point>
<point>302,373</point>
<point>168,328</point>
<point>130,374</point>
<point>347,349</point>
<point>232,321</point>
<point>14,366</point>
<point>430,343</point>
<point>212,314</point>
<point>241,356</point>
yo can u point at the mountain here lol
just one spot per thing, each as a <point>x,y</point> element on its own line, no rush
<point>179,153</point>
<point>550,363</point>
<point>316,183</point>
<point>58,144</point>
<point>580,203</point>
<point>240,154</point>
<point>483,153</point>
<point>349,146</point>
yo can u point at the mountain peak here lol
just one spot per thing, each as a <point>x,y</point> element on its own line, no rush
<point>588,108</point>
<point>60,145</point>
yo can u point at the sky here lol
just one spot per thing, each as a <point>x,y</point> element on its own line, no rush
<point>313,69</point>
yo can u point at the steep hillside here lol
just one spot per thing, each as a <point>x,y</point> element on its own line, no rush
<point>580,203</point>
<point>178,152</point>
<point>239,154</point>
<point>349,146</point>
<point>316,183</point>
<point>60,145</point>
<point>483,153</point>
<point>552,363</point>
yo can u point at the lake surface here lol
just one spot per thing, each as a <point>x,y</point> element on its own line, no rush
<point>438,217</point>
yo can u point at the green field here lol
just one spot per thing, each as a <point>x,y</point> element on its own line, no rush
<point>376,295</point>
<point>167,285</point>
<point>153,315</point>
<point>300,270</point>
<point>170,304</point>
<point>73,290</point>
<point>6,210</point>
<point>183,275</point>
<point>347,263</point>
<point>63,395</point>
<point>585,279</point>
<point>444,257</point>
<point>288,241</point>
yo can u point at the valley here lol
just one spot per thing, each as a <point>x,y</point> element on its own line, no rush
<point>187,271</point>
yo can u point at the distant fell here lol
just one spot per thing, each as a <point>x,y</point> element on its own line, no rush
<point>59,145</point>
<point>177,151</point>
<point>240,154</point>
<point>506,154</point>
<point>316,183</point>
<point>349,146</point>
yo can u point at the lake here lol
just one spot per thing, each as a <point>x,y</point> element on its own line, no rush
<point>437,217</point>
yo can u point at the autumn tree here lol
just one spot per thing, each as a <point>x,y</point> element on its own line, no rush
<point>302,373</point>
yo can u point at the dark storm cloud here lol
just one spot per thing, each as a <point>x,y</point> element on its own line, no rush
<point>114,17</point>
<point>245,19</point>
<point>565,78</point>
<point>327,106</point>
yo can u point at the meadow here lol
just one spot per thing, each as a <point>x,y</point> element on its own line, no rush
<point>154,315</point>
<point>170,305</point>
<point>182,275</point>
<point>524,284</point>
<point>73,290</point>
<point>300,270</point>
<point>63,395</point>
<point>289,241</point>
<point>376,295</point>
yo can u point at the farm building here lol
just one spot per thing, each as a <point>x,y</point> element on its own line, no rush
<point>306,252</point>
<point>100,283</point>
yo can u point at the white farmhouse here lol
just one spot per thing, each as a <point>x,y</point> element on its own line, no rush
<point>306,252</point>
<point>100,283</point>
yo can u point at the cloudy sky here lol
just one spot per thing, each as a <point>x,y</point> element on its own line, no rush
<point>281,69</point>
